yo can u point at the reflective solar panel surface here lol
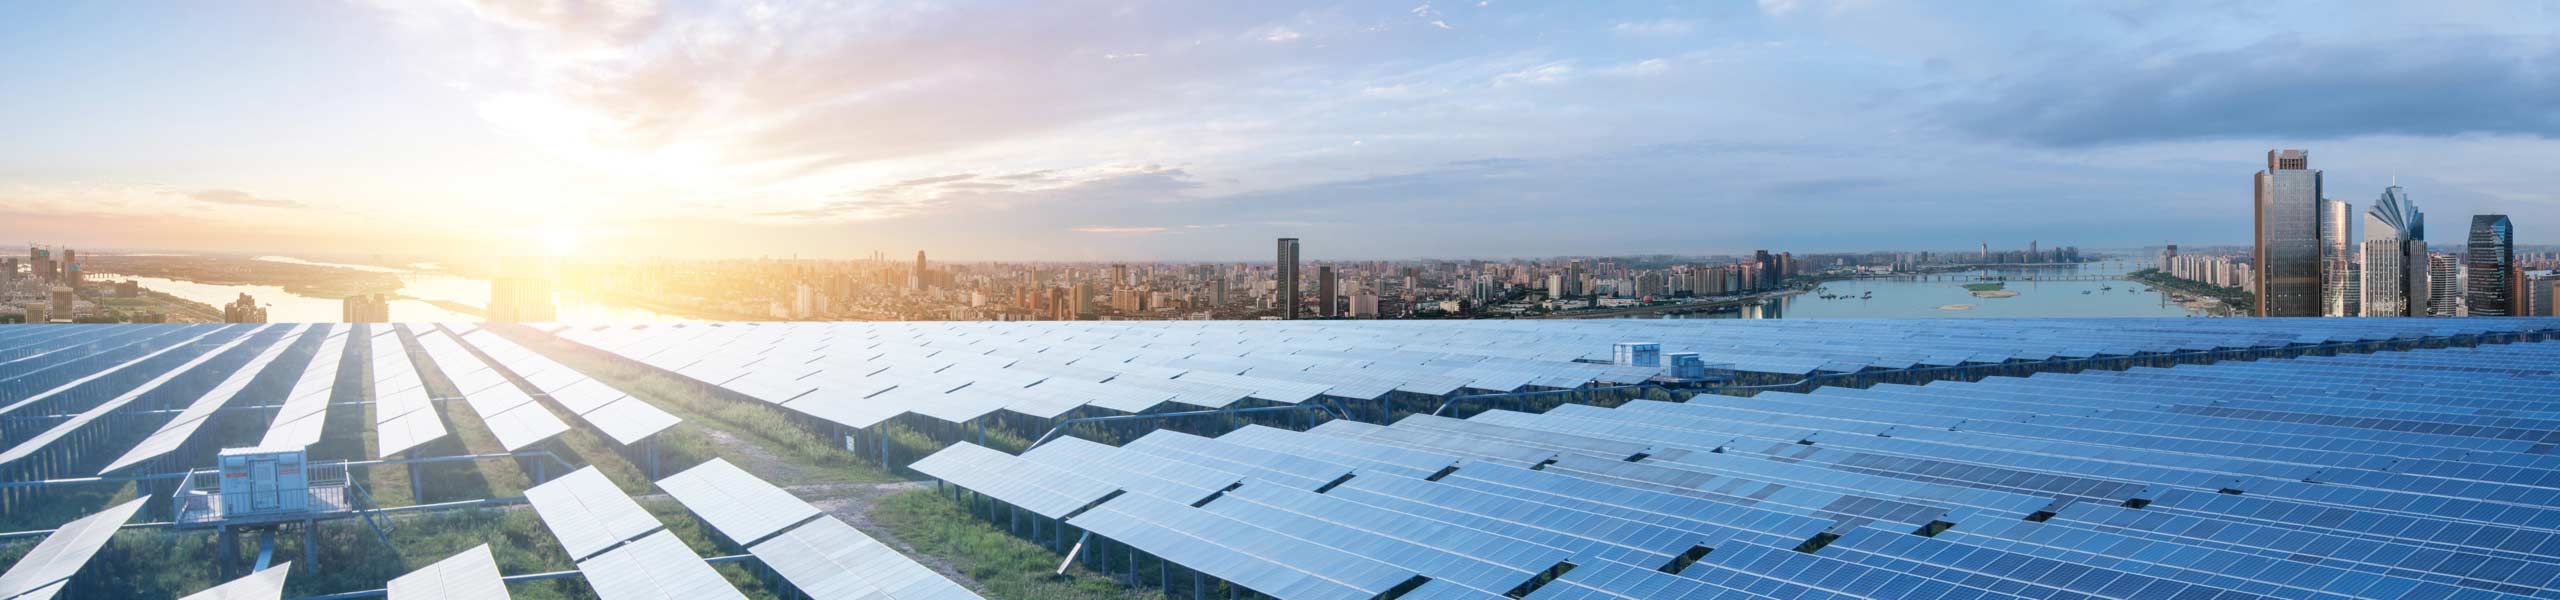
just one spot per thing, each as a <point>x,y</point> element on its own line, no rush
<point>2412,474</point>
<point>861,374</point>
<point>470,575</point>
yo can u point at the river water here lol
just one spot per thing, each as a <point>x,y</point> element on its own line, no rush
<point>1944,296</point>
<point>284,307</point>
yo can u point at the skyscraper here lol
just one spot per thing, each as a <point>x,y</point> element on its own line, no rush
<point>2337,242</point>
<point>1325,290</point>
<point>2288,236</point>
<point>2490,262</point>
<point>915,279</point>
<point>2395,257</point>
<point>1286,289</point>
<point>2444,285</point>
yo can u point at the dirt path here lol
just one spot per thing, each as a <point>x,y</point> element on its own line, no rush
<point>757,459</point>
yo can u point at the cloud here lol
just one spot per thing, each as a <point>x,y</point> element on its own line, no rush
<point>961,193</point>
<point>233,197</point>
<point>584,21</point>
<point>1281,34</point>
<point>1543,74</point>
<point>1642,67</point>
<point>1119,229</point>
<point>2436,85</point>
<point>1654,28</point>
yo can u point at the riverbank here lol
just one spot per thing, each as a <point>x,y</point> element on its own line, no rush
<point>2197,295</point>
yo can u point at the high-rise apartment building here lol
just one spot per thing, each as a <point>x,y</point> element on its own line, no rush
<point>2288,236</point>
<point>243,310</point>
<point>2168,255</point>
<point>366,308</point>
<point>2542,293</point>
<point>1327,303</point>
<point>2489,260</point>
<point>2444,285</point>
<point>1285,291</point>
<point>2395,257</point>
<point>2337,245</point>
<point>520,300</point>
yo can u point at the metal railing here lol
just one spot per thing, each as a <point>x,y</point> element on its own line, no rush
<point>200,499</point>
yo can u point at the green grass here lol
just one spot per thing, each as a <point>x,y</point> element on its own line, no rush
<point>1985,287</point>
<point>1006,567</point>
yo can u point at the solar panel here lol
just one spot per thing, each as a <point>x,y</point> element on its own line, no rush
<point>404,415</point>
<point>470,575</point>
<point>298,422</point>
<point>587,513</point>
<point>737,504</point>
<point>657,567</point>
<point>43,570</point>
<point>262,585</point>
<point>829,560</point>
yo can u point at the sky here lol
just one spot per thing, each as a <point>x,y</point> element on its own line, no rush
<point>1189,130</point>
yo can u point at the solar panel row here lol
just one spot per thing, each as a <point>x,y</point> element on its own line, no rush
<point>403,414</point>
<point>2421,474</point>
<point>511,415</point>
<point>823,557</point>
<point>619,416</point>
<point>860,374</point>
<point>624,552</point>
<point>45,569</point>
<point>306,406</point>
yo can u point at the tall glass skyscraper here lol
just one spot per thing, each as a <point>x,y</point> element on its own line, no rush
<point>2395,257</point>
<point>1286,290</point>
<point>2490,262</point>
<point>2337,245</point>
<point>2288,237</point>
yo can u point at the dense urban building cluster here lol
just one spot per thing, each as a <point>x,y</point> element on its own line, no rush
<point>2309,261</point>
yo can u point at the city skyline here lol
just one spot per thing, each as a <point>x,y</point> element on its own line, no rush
<point>1172,132</point>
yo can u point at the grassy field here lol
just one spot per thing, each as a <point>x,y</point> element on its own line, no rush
<point>1004,566</point>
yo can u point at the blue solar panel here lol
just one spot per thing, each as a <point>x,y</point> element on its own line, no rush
<point>2403,474</point>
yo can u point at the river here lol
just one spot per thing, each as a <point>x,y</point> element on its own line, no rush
<point>1944,296</point>
<point>284,307</point>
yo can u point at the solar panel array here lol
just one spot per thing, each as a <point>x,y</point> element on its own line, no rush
<point>823,557</point>
<point>119,382</point>
<point>404,415</point>
<point>619,416</point>
<point>625,553</point>
<point>859,374</point>
<point>511,415</point>
<point>2420,474</point>
<point>181,428</point>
